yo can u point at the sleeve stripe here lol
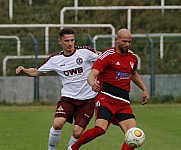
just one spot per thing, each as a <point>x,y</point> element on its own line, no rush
<point>106,53</point>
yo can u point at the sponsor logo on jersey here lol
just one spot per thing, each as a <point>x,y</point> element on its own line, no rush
<point>122,75</point>
<point>73,71</point>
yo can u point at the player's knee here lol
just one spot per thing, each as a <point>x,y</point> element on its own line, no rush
<point>77,132</point>
<point>76,135</point>
<point>58,123</point>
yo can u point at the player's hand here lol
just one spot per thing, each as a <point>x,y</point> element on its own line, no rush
<point>19,69</point>
<point>96,86</point>
<point>145,97</point>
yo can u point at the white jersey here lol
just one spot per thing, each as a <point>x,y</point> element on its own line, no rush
<point>73,71</point>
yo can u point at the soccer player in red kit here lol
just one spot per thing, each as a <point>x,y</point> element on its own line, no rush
<point>110,77</point>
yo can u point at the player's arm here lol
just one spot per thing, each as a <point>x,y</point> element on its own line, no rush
<point>33,72</point>
<point>138,81</point>
<point>92,80</point>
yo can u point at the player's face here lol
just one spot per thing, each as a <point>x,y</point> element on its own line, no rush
<point>124,43</point>
<point>67,42</point>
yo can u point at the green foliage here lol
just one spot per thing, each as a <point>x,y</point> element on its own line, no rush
<point>48,12</point>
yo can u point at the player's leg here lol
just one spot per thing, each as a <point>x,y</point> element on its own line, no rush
<point>63,114</point>
<point>125,125</point>
<point>55,132</point>
<point>83,114</point>
<point>102,123</point>
<point>88,136</point>
<point>77,132</point>
<point>126,121</point>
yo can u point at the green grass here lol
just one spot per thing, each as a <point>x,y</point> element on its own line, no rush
<point>27,127</point>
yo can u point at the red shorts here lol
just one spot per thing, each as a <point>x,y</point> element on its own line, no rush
<point>115,106</point>
<point>80,110</point>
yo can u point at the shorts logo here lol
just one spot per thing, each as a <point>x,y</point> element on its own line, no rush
<point>98,104</point>
<point>87,115</point>
<point>60,108</point>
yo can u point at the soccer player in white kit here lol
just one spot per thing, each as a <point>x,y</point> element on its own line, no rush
<point>73,64</point>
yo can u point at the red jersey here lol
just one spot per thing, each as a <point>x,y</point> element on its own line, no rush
<point>116,70</point>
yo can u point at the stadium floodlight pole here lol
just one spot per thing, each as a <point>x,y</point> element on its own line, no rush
<point>152,79</point>
<point>36,83</point>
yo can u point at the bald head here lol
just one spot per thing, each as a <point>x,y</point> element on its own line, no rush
<point>123,33</point>
<point>123,41</point>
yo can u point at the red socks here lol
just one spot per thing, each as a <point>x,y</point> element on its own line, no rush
<point>88,136</point>
<point>126,147</point>
<point>91,134</point>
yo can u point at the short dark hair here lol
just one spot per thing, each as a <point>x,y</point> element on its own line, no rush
<point>66,31</point>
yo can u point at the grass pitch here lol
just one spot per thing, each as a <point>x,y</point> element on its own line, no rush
<point>27,127</point>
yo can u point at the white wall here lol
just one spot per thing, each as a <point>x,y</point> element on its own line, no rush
<point>20,89</point>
